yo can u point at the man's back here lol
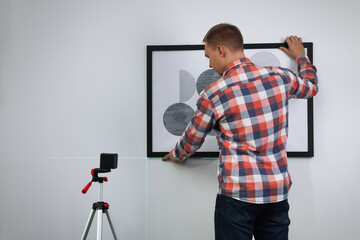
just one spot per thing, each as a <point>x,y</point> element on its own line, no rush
<point>250,106</point>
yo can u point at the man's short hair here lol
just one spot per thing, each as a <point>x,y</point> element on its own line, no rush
<point>225,34</point>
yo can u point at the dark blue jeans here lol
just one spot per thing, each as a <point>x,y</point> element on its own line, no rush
<point>237,220</point>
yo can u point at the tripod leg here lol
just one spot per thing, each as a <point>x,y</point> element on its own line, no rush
<point>99,224</point>
<point>111,225</point>
<point>88,225</point>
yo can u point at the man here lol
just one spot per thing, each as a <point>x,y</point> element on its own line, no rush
<point>248,109</point>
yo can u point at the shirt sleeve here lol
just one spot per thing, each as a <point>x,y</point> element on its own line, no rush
<point>194,135</point>
<point>306,85</point>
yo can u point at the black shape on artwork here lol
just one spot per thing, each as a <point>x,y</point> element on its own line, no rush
<point>177,117</point>
<point>205,79</point>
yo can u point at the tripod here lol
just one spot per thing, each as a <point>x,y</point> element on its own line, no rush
<point>100,206</point>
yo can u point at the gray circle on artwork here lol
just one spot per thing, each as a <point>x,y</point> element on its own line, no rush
<point>205,79</point>
<point>186,84</point>
<point>177,117</point>
<point>265,58</point>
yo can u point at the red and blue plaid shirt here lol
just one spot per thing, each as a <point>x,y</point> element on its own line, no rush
<point>248,109</point>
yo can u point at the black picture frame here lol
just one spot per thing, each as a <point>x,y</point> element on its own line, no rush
<point>151,49</point>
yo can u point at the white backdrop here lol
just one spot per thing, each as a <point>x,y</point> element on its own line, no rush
<point>73,85</point>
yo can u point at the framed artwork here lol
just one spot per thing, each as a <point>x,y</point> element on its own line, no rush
<point>176,74</point>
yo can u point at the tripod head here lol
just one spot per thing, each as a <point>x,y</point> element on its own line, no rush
<point>108,161</point>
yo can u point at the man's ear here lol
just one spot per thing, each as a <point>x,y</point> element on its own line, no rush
<point>221,50</point>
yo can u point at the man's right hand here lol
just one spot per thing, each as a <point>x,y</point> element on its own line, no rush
<point>296,47</point>
<point>170,157</point>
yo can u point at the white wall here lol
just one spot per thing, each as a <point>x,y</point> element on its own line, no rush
<point>73,85</point>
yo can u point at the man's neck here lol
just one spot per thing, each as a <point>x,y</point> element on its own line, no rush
<point>234,56</point>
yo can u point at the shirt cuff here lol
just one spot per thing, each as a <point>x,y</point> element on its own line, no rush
<point>179,158</point>
<point>302,58</point>
<point>173,153</point>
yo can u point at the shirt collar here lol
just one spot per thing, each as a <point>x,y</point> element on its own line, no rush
<point>242,62</point>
